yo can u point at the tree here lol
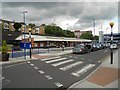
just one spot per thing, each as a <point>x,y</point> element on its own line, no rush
<point>95,37</point>
<point>31,25</point>
<point>17,26</point>
<point>86,35</point>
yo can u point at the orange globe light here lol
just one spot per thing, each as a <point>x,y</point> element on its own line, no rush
<point>111,24</point>
<point>29,29</point>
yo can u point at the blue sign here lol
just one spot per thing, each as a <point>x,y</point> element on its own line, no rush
<point>25,45</point>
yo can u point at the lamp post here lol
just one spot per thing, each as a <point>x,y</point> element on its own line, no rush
<point>24,30</point>
<point>111,25</point>
<point>30,40</point>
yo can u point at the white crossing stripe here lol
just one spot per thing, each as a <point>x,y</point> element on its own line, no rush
<point>83,70</point>
<point>58,84</point>
<point>45,59</point>
<point>71,65</point>
<point>36,67</point>
<point>55,60</point>
<point>48,77</point>
<point>63,62</point>
<point>42,72</point>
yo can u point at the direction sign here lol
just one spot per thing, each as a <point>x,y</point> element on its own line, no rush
<point>25,45</point>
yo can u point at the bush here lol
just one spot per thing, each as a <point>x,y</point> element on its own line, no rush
<point>4,47</point>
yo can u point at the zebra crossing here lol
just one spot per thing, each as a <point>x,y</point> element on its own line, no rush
<point>66,64</point>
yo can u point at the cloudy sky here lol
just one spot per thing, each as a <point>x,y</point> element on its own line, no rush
<point>71,15</point>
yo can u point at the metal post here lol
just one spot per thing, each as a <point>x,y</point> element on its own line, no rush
<point>48,46</point>
<point>30,42</point>
<point>94,26</point>
<point>12,52</point>
<point>111,48</point>
<point>111,24</point>
<point>24,32</point>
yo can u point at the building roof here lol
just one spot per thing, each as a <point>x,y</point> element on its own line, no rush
<point>51,38</point>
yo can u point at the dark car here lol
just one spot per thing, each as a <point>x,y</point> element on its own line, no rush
<point>80,49</point>
<point>94,47</point>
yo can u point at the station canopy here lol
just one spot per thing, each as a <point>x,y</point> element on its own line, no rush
<point>51,38</point>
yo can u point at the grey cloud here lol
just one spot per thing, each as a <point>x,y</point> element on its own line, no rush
<point>37,11</point>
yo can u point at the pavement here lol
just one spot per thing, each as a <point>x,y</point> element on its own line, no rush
<point>36,56</point>
<point>105,76</point>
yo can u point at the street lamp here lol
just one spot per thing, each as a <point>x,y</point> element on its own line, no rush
<point>30,39</point>
<point>24,30</point>
<point>111,25</point>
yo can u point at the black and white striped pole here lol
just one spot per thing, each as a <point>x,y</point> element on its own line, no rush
<point>111,24</point>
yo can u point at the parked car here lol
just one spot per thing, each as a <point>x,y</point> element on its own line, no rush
<point>94,47</point>
<point>80,49</point>
<point>113,46</point>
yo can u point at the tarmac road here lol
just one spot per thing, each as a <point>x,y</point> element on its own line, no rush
<point>59,71</point>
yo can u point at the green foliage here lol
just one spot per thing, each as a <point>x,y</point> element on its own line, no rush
<point>54,30</point>
<point>31,25</point>
<point>86,35</point>
<point>17,26</point>
<point>95,37</point>
<point>4,47</point>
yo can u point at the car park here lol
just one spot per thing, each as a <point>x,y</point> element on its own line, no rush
<point>80,49</point>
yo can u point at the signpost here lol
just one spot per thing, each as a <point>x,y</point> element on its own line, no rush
<point>25,45</point>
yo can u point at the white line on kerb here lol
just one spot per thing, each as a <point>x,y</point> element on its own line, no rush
<point>105,50</point>
<point>63,62</point>
<point>28,62</point>
<point>55,60</point>
<point>49,58</point>
<point>14,65</point>
<point>71,65</point>
<point>41,72</point>
<point>83,70</point>
<point>1,78</point>
<point>58,84</point>
<point>48,77</point>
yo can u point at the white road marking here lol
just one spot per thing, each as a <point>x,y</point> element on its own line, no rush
<point>63,62</point>
<point>105,50</point>
<point>28,62</point>
<point>1,78</point>
<point>55,60</point>
<point>49,58</point>
<point>58,84</point>
<point>32,64</point>
<point>42,72</point>
<point>15,65</point>
<point>71,65</point>
<point>48,77</point>
<point>83,70</point>
<point>36,67</point>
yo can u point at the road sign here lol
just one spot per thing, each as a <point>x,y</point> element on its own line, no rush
<point>25,45</point>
